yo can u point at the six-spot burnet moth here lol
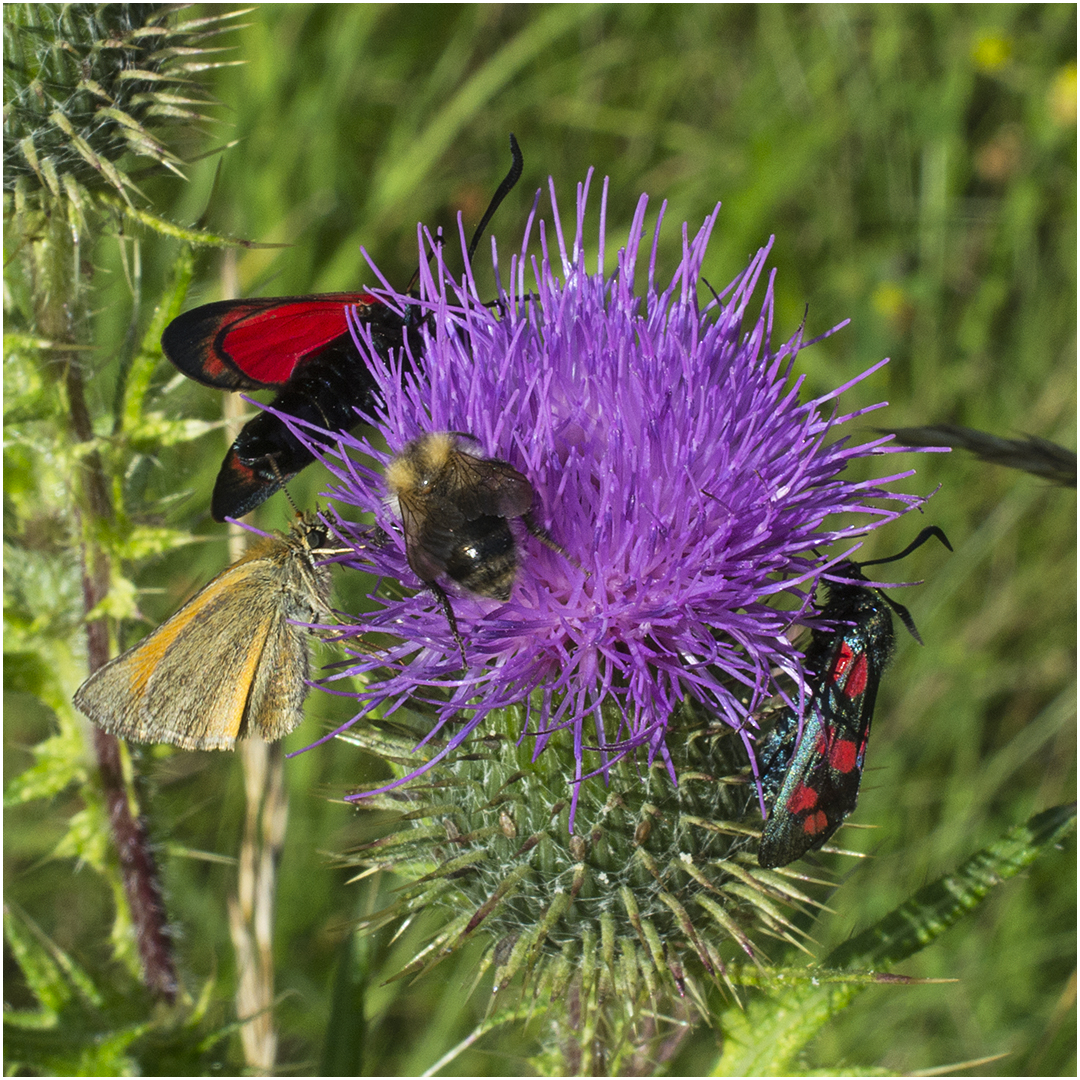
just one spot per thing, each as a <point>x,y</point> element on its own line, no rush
<point>809,784</point>
<point>301,347</point>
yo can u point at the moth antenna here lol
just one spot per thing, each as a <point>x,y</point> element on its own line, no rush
<point>901,611</point>
<point>930,530</point>
<point>504,189</point>
<point>904,614</point>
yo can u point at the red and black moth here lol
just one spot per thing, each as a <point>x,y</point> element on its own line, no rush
<point>809,784</point>
<point>301,347</point>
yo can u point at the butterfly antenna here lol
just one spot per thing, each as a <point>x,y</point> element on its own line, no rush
<point>504,189</point>
<point>281,484</point>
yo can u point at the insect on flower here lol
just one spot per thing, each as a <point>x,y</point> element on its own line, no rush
<point>456,508</point>
<point>297,345</point>
<point>302,347</point>
<point>811,783</point>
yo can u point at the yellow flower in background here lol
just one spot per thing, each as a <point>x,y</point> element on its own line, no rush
<point>1061,97</point>
<point>991,52</point>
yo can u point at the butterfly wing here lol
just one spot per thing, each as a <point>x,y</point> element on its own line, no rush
<point>193,682</point>
<point>186,682</point>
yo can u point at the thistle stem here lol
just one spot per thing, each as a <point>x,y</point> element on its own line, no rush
<point>137,864</point>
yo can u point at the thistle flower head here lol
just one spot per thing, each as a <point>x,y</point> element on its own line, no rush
<point>675,463</point>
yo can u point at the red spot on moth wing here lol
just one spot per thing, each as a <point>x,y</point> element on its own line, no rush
<point>840,664</point>
<point>844,756</point>
<point>816,824</point>
<point>858,678</point>
<point>803,798</point>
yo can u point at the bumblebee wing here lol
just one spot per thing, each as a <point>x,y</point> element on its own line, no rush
<point>429,525</point>
<point>489,487</point>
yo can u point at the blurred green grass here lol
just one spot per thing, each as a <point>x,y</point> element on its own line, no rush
<point>918,168</point>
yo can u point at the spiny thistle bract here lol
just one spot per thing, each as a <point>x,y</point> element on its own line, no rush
<point>88,85</point>
<point>614,926</point>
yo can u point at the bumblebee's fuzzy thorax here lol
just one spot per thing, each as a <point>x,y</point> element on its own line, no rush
<point>417,468</point>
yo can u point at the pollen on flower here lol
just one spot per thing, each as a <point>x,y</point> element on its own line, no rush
<point>675,463</point>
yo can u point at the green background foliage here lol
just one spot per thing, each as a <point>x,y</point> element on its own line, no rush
<point>918,168</point>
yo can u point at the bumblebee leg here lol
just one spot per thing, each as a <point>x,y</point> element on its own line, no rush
<point>448,611</point>
<point>534,528</point>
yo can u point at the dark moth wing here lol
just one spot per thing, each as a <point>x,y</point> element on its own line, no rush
<point>809,788</point>
<point>811,784</point>
<point>299,345</point>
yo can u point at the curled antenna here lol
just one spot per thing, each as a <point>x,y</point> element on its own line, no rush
<point>504,189</point>
<point>511,178</point>
<point>901,611</point>
<point>930,530</point>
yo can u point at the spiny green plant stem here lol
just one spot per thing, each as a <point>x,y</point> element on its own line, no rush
<point>139,870</point>
<point>58,316</point>
<point>137,864</point>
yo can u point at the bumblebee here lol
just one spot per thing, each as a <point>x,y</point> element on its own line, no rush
<point>455,509</point>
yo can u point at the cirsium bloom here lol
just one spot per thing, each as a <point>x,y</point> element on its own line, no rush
<point>673,460</point>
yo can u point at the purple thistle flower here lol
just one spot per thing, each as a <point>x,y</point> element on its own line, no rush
<point>674,462</point>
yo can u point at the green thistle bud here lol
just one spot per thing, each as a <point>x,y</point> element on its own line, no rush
<point>631,916</point>
<point>87,86</point>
